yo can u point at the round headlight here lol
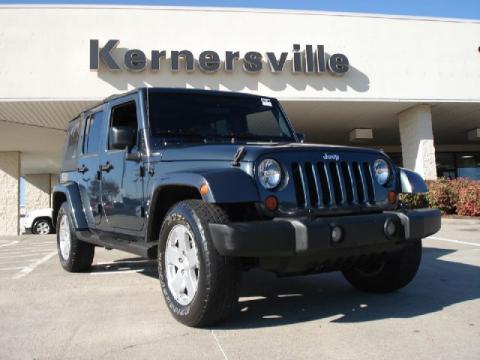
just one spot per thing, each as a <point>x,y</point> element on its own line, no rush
<point>269,173</point>
<point>382,171</point>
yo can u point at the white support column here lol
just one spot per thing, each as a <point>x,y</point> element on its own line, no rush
<point>9,193</point>
<point>54,180</point>
<point>37,191</point>
<point>416,135</point>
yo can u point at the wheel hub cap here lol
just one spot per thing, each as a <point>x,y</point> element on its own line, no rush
<point>64,237</point>
<point>181,264</point>
<point>42,228</point>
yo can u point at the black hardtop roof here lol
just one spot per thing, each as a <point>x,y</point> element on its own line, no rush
<point>143,90</point>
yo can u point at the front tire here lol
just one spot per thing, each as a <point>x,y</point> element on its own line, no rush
<point>389,275</point>
<point>75,255</point>
<point>200,286</point>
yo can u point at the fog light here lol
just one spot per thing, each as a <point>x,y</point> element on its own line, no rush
<point>390,228</point>
<point>336,234</point>
<point>271,203</point>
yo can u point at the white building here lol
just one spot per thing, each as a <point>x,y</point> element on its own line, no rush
<point>412,85</point>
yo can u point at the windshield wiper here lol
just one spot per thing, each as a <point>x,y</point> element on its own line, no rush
<point>171,133</point>
<point>232,138</point>
<point>188,135</point>
<point>252,137</point>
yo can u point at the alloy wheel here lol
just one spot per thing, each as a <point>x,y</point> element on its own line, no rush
<point>64,237</point>
<point>182,264</point>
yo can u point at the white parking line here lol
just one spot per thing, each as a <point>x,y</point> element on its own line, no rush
<point>115,272</point>
<point>117,263</point>
<point>18,249</point>
<point>25,248</point>
<point>219,345</point>
<point>24,244</point>
<point>14,256</point>
<point>24,251</point>
<point>18,262</point>
<point>43,243</point>
<point>453,241</point>
<point>11,268</point>
<point>28,269</point>
<point>10,243</point>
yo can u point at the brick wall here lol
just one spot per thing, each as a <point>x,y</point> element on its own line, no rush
<point>37,191</point>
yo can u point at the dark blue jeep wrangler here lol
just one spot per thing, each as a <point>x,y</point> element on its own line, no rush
<point>212,184</point>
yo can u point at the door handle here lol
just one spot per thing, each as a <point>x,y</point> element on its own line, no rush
<point>106,167</point>
<point>82,169</point>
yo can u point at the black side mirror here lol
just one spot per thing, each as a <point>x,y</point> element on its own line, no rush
<point>121,137</point>
<point>300,137</point>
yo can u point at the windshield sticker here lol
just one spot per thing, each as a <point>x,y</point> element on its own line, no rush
<point>266,102</point>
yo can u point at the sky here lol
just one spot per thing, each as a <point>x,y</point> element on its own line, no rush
<point>467,9</point>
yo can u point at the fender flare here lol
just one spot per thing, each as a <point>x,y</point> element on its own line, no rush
<point>225,185</point>
<point>72,195</point>
<point>411,182</point>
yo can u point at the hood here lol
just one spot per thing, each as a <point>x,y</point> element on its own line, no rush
<point>226,152</point>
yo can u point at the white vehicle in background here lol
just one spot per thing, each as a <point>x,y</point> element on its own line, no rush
<point>39,222</point>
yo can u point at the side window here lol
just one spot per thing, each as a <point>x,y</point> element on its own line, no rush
<point>93,133</point>
<point>124,115</point>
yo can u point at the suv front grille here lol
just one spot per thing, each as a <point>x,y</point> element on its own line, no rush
<point>332,184</point>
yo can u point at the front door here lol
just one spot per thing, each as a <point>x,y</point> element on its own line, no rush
<point>122,180</point>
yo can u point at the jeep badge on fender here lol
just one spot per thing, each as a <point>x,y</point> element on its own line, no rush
<point>215,183</point>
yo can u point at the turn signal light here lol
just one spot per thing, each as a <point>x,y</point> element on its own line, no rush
<point>392,197</point>
<point>204,189</point>
<point>271,203</point>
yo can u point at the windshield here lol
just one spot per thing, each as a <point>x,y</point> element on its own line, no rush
<point>194,117</point>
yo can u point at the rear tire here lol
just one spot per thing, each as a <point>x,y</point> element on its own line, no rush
<point>391,274</point>
<point>214,280</point>
<point>75,255</point>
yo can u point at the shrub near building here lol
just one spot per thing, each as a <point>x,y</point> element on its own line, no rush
<point>469,199</point>
<point>459,196</point>
<point>443,194</point>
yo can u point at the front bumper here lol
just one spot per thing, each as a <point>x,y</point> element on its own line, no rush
<point>295,236</point>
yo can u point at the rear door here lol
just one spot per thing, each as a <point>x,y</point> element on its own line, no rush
<point>88,166</point>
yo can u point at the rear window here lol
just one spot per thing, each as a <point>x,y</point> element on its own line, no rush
<point>71,145</point>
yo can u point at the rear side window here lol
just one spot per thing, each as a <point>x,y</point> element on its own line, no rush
<point>93,133</point>
<point>71,145</point>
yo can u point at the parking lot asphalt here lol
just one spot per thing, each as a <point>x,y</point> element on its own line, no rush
<point>117,310</point>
